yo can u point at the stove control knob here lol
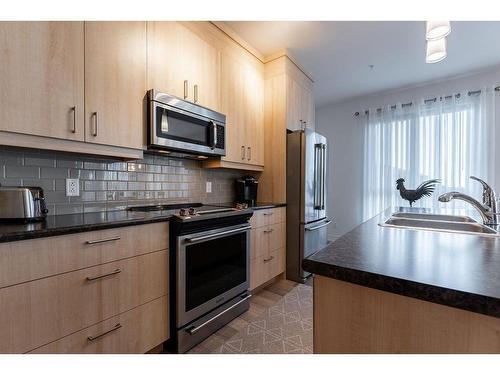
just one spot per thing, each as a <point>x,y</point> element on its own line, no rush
<point>192,211</point>
<point>183,212</point>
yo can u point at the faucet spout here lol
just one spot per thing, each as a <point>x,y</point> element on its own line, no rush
<point>485,211</point>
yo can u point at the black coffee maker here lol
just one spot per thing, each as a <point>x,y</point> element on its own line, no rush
<point>246,190</point>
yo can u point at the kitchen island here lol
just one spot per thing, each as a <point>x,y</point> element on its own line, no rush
<point>393,290</point>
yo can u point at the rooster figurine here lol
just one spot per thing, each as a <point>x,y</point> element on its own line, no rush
<point>424,189</point>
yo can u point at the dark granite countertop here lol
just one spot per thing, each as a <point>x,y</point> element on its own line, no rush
<point>453,269</point>
<point>258,205</point>
<point>75,223</point>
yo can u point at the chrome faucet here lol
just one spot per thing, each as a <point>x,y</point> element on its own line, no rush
<point>487,209</point>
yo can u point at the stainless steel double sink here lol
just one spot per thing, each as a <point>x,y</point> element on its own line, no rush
<point>437,222</point>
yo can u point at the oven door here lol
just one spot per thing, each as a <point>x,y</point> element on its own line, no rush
<point>176,129</point>
<point>212,268</point>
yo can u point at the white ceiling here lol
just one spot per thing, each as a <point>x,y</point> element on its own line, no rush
<point>338,53</point>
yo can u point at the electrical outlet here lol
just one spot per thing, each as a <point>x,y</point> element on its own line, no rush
<point>209,187</point>
<point>72,187</point>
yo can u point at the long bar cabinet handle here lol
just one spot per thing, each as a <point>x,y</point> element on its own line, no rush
<point>268,230</point>
<point>73,109</point>
<point>195,94</point>
<point>268,259</point>
<point>92,242</point>
<point>92,278</point>
<point>92,338</point>
<point>185,89</point>
<point>95,124</point>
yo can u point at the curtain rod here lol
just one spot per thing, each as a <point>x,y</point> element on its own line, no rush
<point>475,92</point>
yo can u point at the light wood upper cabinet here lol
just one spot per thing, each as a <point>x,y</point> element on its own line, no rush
<point>300,104</point>
<point>115,82</point>
<point>183,64</point>
<point>41,78</point>
<point>242,102</point>
<point>308,107</point>
<point>289,105</point>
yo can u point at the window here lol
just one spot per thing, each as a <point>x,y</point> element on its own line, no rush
<point>450,139</point>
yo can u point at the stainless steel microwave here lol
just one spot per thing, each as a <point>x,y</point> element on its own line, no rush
<point>184,127</point>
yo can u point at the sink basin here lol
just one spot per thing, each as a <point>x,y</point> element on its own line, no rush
<point>435,222</point>
<point>411,215</point>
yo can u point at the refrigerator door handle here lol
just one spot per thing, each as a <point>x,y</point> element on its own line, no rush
<point>323,176</point>
<point>317,176</point>
<point>319,226</point>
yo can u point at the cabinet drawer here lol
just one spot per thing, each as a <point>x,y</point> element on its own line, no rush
<point>264,268</point>
<point>41,311</point>
<point>277,236</point>
<point>268,238</point>
<point>22,261</point>
<point>259,242</point>
<point>135,331</point>
<point>259,219</point>
<point>269,216</point>
<point>277,215</point>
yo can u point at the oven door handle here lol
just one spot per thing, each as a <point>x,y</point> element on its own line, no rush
<point>208,236</point>
<point>193,330</point>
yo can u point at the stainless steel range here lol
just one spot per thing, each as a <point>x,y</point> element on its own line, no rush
<point>209,271</point>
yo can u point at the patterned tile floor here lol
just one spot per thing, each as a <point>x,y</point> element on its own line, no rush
<point>280,320</point>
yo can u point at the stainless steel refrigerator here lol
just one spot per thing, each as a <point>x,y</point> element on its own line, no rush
<point>306,217</point>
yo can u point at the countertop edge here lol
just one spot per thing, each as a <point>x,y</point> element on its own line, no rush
<point>270,205</point>
<point>431,293</point>
<point>21,236</point>
<point>43,233</point>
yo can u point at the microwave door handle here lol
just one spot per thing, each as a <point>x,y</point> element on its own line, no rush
<point>214,134</point>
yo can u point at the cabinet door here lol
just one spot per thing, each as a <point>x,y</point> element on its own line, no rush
<point>232,104</point>
<point>308,108</point>
<point>175,55</point>
<point>204,68</point>
<point>41,78</point>
<point>254,114</point>
<point>115,82</point>
<point>294,105</point>
<point>242,101</point>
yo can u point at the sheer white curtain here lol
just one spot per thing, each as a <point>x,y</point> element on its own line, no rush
<point>450,139</point>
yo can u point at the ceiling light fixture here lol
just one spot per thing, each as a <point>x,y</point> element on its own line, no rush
<point>437,29</point>
<point>436,51</point>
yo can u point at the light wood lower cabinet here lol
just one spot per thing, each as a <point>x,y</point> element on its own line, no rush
<point>22,261</point>
<point>135,331</point>
<point>264,268</point>
<point>353,319</point>
<point>42,311</point>
<point>268,245</point>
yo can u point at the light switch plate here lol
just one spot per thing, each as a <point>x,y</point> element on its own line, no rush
<point>209,187</point>
<point>72,187</point>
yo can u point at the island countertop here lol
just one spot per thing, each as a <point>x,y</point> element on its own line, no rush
<point>453,269</point>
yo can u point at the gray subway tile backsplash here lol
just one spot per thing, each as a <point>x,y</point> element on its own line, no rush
<point>20,171</point>
<point>108,184</point>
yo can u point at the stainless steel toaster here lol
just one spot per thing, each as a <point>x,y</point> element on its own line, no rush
<point>22,203</point>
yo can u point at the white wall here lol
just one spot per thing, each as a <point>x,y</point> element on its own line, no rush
<point>345,137</point>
